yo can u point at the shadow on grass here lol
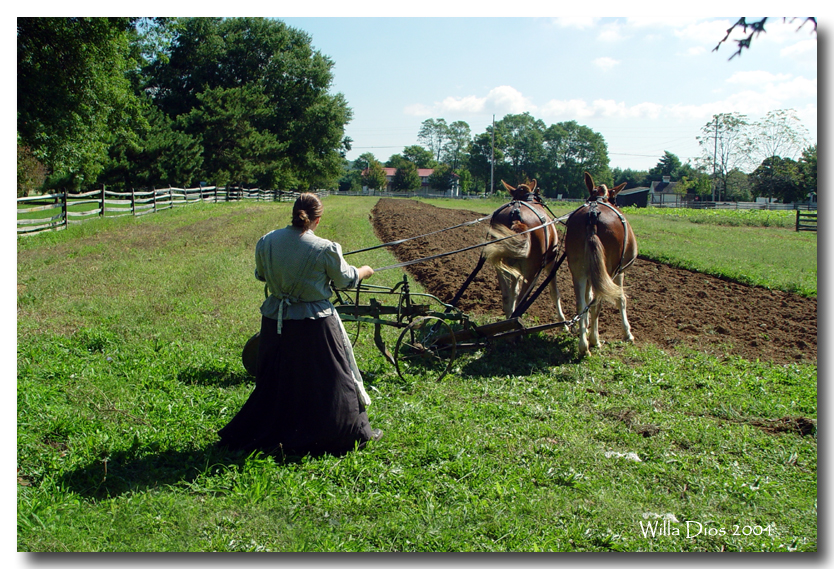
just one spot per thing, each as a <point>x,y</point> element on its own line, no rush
<point>525,356</point>
<point>127,471</point>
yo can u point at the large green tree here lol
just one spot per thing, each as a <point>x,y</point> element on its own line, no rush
<point>777,178</point>
<point>267,76</point>
<point>420,156</point>
<point>157,156</point>
<point>570,150</point>
<point>433,135</point>
<point>520,139</point>
<point>74,94</point>
<point>458,137</point>
<point>406,178</point>
<point>808,168</point>
<point>668,165</point>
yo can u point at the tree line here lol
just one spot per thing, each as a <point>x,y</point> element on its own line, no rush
<point>138,103</point>
<point>155,102</point>
<point>741,160</point>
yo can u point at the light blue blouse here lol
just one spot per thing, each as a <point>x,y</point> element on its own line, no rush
<point>298,268</point>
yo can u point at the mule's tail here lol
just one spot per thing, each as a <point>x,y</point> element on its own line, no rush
<point>496,254</point>
<point>602,284</point>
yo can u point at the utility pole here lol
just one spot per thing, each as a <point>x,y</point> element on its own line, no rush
<point>492,161</point>
<point>714,155</point>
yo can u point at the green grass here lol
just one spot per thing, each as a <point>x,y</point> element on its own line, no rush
<point>129,339</point>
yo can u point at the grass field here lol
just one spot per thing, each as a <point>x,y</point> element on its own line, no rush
<point>128,361</point>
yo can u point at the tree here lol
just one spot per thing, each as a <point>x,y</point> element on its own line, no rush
<point>632,178</point>
<point>443,178</point>
<point>698,185</point>
<point>267,73</point>
<point>159,155</point>
<point>458,137</point>
<point>668,165</point>
<point>73,92</point>
<point>479,159</point>
<point>521,142</point>
<point>779,133</point>
<point>31,174</point>
<point>808,168</point>
<point>406,178</point>
<point>420,156</point>
<point>570,150</point>
<point>374,176</point>
<point>738,186</point>
<point>725,146</point>
<point>433,135</point>
<point>756,28</point>
<point>777,178</point>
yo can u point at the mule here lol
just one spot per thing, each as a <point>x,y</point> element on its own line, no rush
<point>600,245</point>
<point>519,261</point>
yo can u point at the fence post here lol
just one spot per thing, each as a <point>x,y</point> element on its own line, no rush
<point>797,219</point>
<point>66,210</point>
<point>102,200</point>
<point>133,201</point>
<point>154,199</point>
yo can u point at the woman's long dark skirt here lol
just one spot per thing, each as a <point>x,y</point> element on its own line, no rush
<point>305,400</point>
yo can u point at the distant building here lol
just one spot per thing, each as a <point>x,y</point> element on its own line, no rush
<point>663,192</point>
<point>635,196</point>
<point>422,173</point>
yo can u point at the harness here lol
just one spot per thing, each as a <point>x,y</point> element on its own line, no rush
<point>593,220</point>
<point>515,215</point>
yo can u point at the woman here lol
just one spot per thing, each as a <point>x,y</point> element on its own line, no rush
<point>308,397</point>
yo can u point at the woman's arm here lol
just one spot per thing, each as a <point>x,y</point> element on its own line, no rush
<point>364,272</point>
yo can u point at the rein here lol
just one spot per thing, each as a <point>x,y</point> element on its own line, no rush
<point>398,242</point>
<point>484,244</point>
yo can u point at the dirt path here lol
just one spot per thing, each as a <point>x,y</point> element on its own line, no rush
<point>667,306</point>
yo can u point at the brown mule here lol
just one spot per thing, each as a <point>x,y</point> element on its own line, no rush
<point>519,261</point>
<point>600,245</point>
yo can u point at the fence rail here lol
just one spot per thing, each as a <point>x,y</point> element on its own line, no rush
<point>78,208</point>
<point>806,221</point>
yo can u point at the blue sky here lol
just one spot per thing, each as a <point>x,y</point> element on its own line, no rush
<point>647,85</point>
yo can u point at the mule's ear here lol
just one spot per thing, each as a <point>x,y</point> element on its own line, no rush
<point>533,187</point>
<point>616,190</point>
<point>508,187</point>
<point>589,183</point>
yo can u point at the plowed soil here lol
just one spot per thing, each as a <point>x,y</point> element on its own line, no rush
<point>668,307</point>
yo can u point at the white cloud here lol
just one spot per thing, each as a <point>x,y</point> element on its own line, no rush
<point>756,77</point>
<point>503,99</point>
<point>800,50</point>
<point>706,33</point>
<point>580,109</point>
<point>611,32</point>
<point>606,63</point>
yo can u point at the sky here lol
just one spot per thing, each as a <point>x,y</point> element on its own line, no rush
<point>646,84</point>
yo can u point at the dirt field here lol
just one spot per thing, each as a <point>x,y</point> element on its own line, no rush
<point>667,307</point>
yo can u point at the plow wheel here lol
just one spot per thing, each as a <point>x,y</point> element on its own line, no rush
<point>425,347</point>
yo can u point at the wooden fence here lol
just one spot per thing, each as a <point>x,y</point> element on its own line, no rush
<point>806,220</point>
<point>54,212</point>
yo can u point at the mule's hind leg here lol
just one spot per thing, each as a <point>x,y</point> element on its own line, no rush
<point>593,316</point>
<point>621,304</point>
<point>582,290</point>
